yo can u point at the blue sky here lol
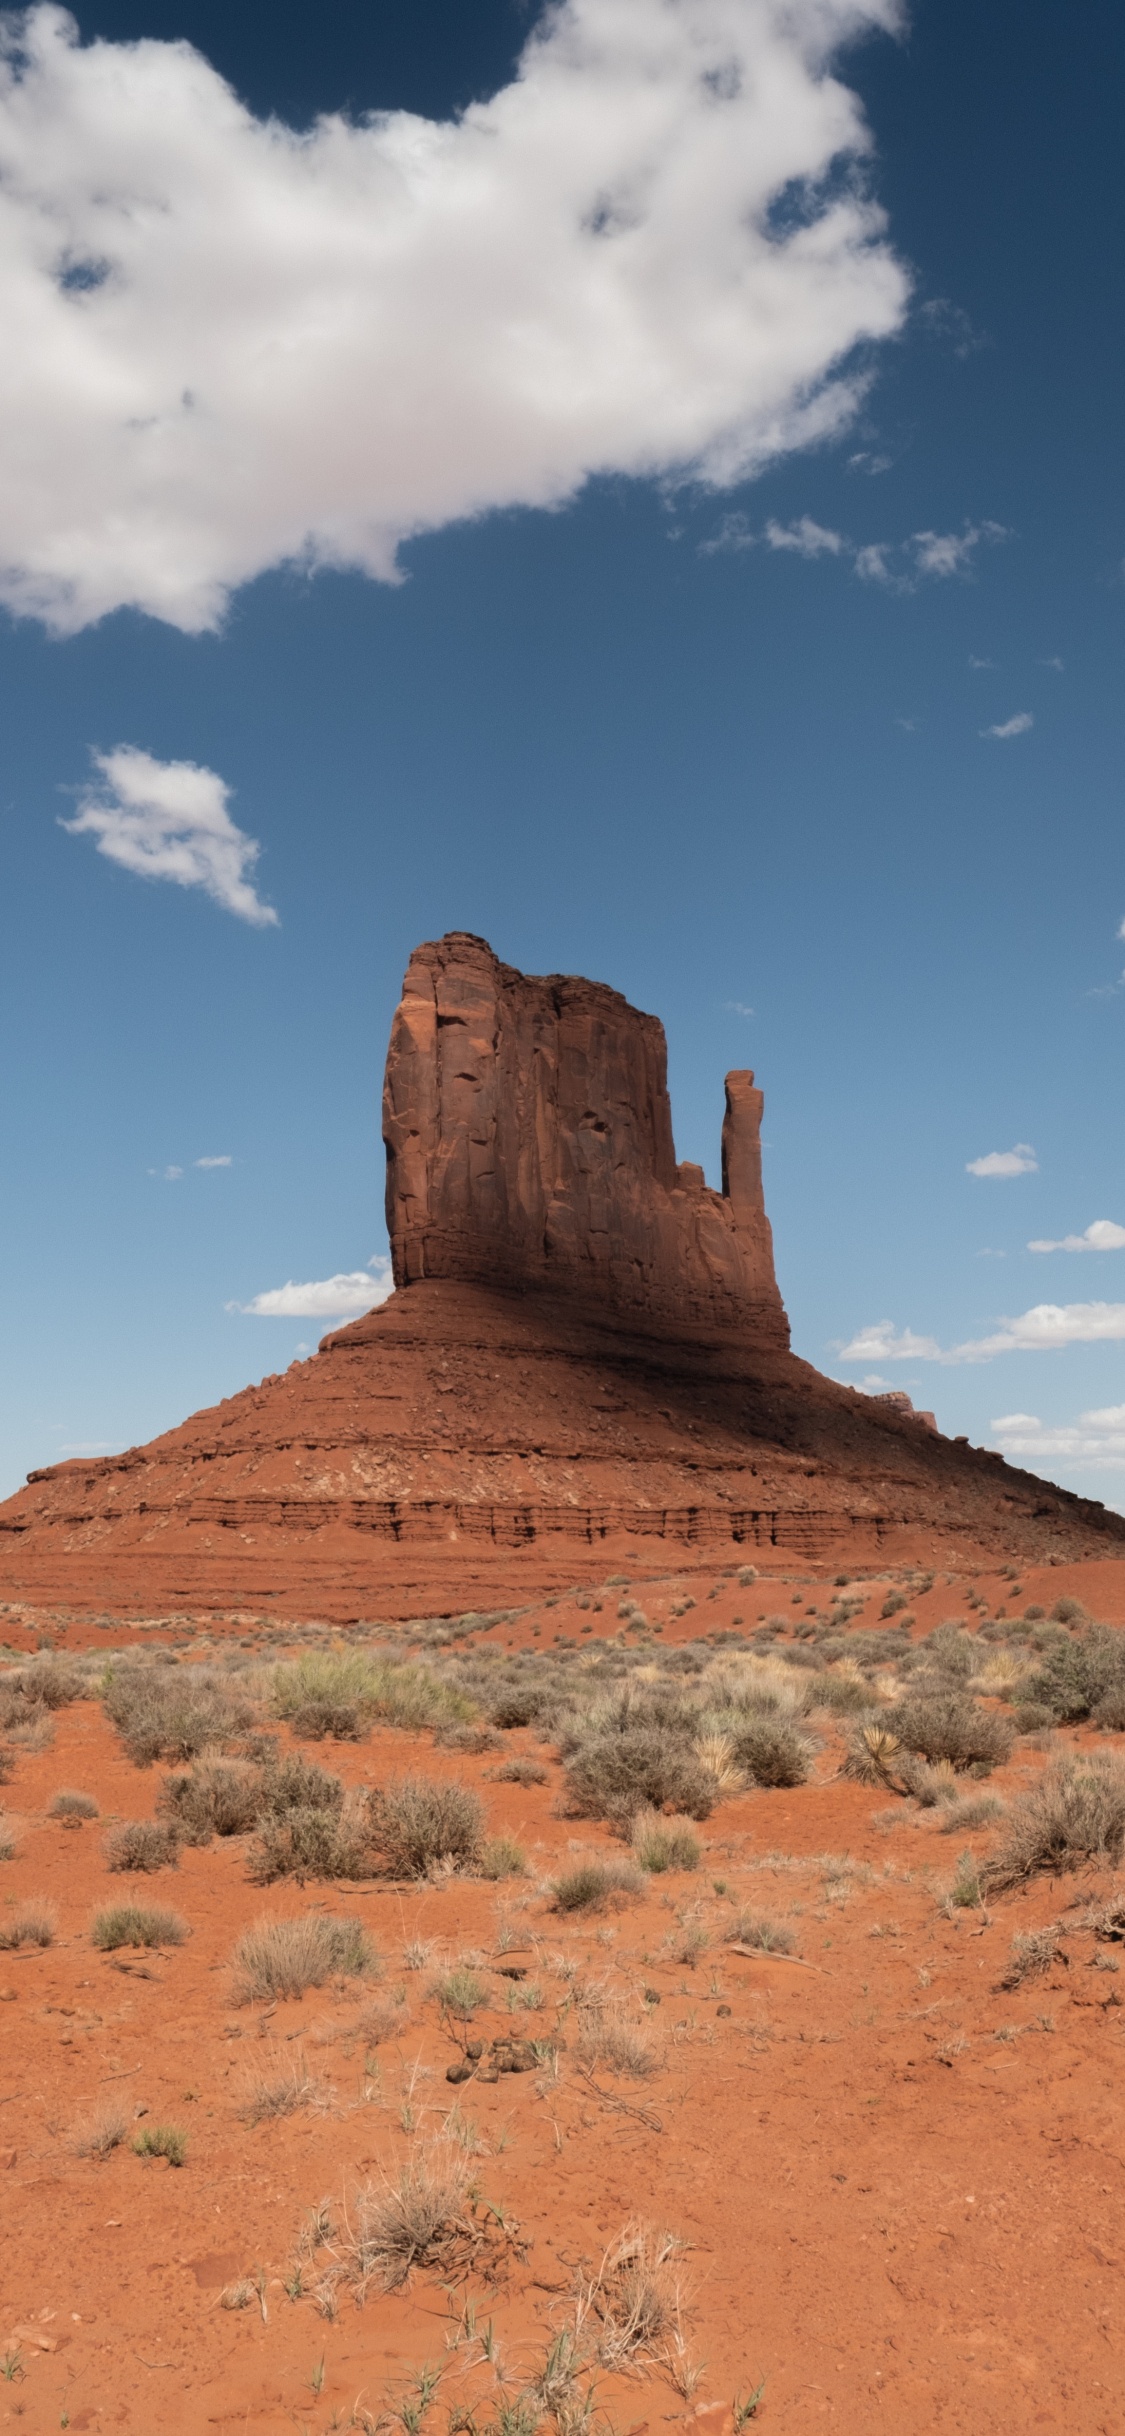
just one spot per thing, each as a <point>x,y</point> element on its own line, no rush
<point>773,676</point>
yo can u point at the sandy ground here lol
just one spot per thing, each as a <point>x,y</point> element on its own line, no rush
<point>898,2186</point>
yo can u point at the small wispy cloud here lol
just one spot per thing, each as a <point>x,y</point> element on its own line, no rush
<point>346,1296</point>
<point>224,1160</point>
<point>1054,663</point>
<point>1019,1161</point>
<point>873,563</point>
<point>950,325</point>
<point>168,820</point>
<point>167,1175</point>
<point>883,1342</point>
<point>734,1006</point>
<point>1018,725</point>
<point>734,533</point>
<point>1104,1235</point>
<point>809,539</point>
<point>93,1446</point>
<point>946,554</point>
<point>866,461</point>
<point>1046,1328</point>
<point>975,663</point>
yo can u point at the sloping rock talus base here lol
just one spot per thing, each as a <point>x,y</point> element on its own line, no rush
<point>465,1447</point>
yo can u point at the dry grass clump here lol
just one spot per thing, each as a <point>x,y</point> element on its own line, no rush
<point>355,1687</point>
<point>387,2017</point>
<point>216,1797</point>
<point>642,1767</point>
<point>951,1726</point>
<point>502,1857</point>
<point>970,1814</point>
<point>633,2304</point>
<point>461,1992</point>
<point>715,1753</point>
<point>278,1958</point>
<point>268,2100</point>
<point>72,1807</point>
<point>844,1690</point>
<point>162,2140</point>
<point>136,1924</point>
<point>662,1844</point>
<point>421,1824</point>
<point>411,2221</point>
<point>610,2036</point>
<point>142,1844</point>
<point>101,2132</point>
<point>593,1884</point>
<point>174,1712</point>
<point>766,1936</point>
<point>1075,1814</point>
<point>45,1682</point>
<point>34,1923</point>
<point>520,1772</point>
<point>1032,1954</point>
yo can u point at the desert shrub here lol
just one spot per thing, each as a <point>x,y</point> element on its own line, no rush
<point>143,1844</point>
<point>216,1797</point>
<point>845,1693</point>
<point>1034,1614</point>
<point>1075,1814</point>
<point>161,2140</point>
<point>386,2018</point>
<point>756,1929</point>
<point>593,1884</point>
<point>7,1842</point>
<point>135,1924</point>
<point>100,2133</point>
<point>664,1844</point>
<point>298,1784</point>
<point>173,1712</point>
<point>277,1958</point>
<point>872,1756</point>
<point>319,1720</point>
<point>68,1805</point>
<point>932,1787</point>
<point>951,1651</point>
<point>47,1682</point>
<point>502,1857</point>
<point>420,1823</point>
<point>979,1813</point>
<point>308,1843</point>
<point>643,1767</point>
<point>1076,1677</point>
<point>1032,1717</point>
<point>7,1765</point>
<point>966,1890</point>
<point>520,1772</point>
<point>461,1992</point>
<point>1032,1954</point>
<point>33,1923</point>
<point>1110,1710</point>
<point>951,1726</point>
<point>1069,1611</point>
<point>395,2226</point>
<point>893,1604</point>
<point>403,1693</point>
<point>771,1752</point>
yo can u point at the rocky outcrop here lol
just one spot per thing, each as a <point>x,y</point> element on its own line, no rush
<point>529,1145</point>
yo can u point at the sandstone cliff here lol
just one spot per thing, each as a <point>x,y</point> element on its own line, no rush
<point>529,1145</point>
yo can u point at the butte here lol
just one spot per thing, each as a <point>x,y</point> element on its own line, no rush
<point>585,1359</point>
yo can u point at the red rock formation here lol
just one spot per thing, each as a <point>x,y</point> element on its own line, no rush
<point>586,1361</point>
<point>529,1145</point>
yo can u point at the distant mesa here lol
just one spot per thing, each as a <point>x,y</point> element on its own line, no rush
<point>585,1361</point>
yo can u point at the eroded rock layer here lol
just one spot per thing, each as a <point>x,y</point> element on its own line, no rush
<point>585,1364</point>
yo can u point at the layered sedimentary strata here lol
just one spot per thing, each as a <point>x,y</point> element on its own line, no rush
<point>586,1361</point>
<point>529,1145</point>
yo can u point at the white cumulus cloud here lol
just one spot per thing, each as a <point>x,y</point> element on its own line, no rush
<point>345,1296</point>
<point>228,345</point>
<point>168,820</point>
<point>1096,1441</point>
<point>1046,1328</point>
<point>952,553</point>
<point>1018,725</point>
<point>1104,1235</point>
<point>223,1161</point>
<point>1021,1161</point>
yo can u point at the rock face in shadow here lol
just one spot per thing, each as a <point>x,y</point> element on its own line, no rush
<point>529,1146</point>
